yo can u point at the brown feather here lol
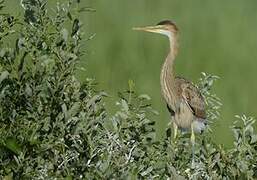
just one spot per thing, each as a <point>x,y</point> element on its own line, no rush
<point>191,94</point>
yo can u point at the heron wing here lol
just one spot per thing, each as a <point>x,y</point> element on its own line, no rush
<point>192,96</point>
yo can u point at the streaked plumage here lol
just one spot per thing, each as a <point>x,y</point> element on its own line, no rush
<point>190,97</point>
<point>184,101</point>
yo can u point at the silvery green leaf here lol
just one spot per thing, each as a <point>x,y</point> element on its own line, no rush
<point>65,34</point>
<point>74,109</point>
<point>124,105</point>
<point>122,115</point>
<point>144,96</point>
<point>147,171</point>
<point>249,129</point>
<point>253,139</point>
<point>93,100</point>
<point>28,90</point>
<point>3,76</point>
<point>64,110</point>
<point>2,53</point>
<point>21,43</point>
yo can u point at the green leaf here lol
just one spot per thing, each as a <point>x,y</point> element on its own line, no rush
<point>65,34</point>
<point>124,105</point>
<point>28,90</point>
<point>74,109</point>
<point>12,144</point>
<point>131,85</point>
<point>8,177</point>
<point>144,96</point>
<point>69,16</point>
<point>253,139</point>
<point>147,171</point>
<point>75,27</point>
<point>3,76</point>
<point>87,9</point>
<point>64,110</point>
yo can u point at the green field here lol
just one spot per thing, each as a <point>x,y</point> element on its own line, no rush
<point>217,37</point>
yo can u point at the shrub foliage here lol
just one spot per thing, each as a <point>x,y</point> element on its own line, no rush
<point>53,126</point>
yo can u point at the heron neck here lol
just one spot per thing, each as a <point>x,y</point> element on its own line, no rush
<point>168,86</point>
<point>169,62</point>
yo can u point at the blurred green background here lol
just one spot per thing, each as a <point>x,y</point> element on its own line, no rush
<point>217,37</point>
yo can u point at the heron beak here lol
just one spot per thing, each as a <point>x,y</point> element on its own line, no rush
<point>153,29</point>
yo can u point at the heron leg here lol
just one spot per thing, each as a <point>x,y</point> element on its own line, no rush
<point>175,127</point>
<point>193,145</point>
<point>192,136</point>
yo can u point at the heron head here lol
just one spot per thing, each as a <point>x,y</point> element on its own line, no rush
<point>165,27</point>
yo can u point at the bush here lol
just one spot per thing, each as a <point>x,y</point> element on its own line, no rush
<point>53,126</point>
<point>48,118</point>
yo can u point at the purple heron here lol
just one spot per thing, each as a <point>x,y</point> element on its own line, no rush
<point>184,100</point>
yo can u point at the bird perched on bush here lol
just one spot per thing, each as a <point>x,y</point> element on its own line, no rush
<point>184,101</point>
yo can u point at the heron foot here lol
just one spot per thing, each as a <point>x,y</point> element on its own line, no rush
<point>192,138</point>
<point>175,127</point>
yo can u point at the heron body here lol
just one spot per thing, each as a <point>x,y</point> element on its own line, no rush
<point>184,101</point>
